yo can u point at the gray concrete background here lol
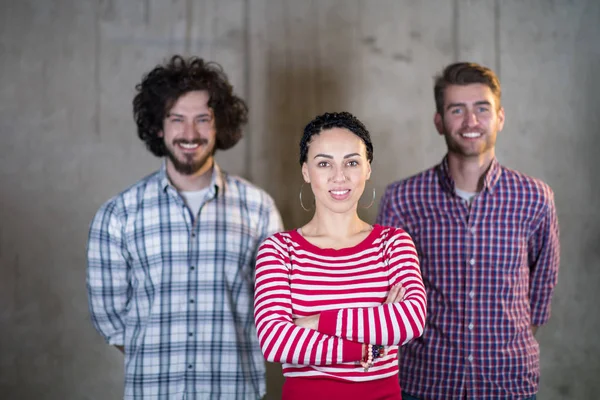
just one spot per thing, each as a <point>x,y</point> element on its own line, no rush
<point>68,142</point>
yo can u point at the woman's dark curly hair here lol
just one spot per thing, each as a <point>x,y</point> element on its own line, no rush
<point>161,87</point>
<point>335,120</point>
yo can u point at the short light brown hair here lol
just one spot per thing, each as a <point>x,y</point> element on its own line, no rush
<point>464,73</point>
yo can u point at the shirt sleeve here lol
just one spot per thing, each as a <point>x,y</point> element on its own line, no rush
<point>280,339</point>
<point>388,324</point>
<point>544,259</point>
<point>271,222</point>
<point>387,215</point>
<point>107,275</point>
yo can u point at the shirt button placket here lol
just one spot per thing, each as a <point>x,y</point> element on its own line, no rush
<point>470,232</point>
<point>193,244</point>
<point>190,367</point>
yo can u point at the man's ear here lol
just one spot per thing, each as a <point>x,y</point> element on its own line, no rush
<point>500,119</point>
<point>160,134</point>
<point>438,121</point>
<point>305,173</point>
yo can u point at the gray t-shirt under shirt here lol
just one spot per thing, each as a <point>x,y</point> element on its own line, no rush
<point>468,196</point>
<point>194,199</point>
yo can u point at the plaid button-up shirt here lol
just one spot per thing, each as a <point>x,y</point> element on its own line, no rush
<point>177,290</point>
<point>489,270</point>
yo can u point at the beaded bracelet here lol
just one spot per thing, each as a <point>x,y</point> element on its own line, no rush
<point>377,351</point>
<point>372,352</point>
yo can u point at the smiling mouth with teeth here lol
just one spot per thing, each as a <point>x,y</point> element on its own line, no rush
<point>471,135</point>
<point>339,192</point>
<point>189,146</point>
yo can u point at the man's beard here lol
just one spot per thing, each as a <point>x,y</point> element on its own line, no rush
<point>189,166</point>
<point>454,145</point>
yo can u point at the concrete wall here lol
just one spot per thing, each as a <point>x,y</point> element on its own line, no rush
<point>67,72</point>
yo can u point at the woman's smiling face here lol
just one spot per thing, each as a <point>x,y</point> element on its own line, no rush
<point>337,169</point>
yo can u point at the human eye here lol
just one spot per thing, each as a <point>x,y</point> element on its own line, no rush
<point>352,163</point>
<point>456,111</point>
<point>323,164</point>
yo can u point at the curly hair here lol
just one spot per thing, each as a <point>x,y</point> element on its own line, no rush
<point>161,87</point>
<point>335,120</point>
<point>464,73</point>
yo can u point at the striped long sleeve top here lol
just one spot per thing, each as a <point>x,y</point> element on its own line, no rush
<point>348,287</point>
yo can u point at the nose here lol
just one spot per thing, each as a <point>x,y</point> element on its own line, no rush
<point>471,119</point>
<point>189,131</point>
<point>338,175</point>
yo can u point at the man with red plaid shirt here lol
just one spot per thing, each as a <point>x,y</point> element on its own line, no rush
<point>488,241</point>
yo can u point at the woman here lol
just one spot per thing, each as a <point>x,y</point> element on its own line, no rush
<point>334,298</point>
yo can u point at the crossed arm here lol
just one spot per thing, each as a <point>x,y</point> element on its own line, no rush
<point>335,336</point>
<point>395,295</point>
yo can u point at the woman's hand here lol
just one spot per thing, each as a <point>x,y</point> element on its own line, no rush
<point>396,294</point>
<point>311,322</point>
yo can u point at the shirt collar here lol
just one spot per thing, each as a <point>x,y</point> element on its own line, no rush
<point>489,181</point>
<point>215,188</point>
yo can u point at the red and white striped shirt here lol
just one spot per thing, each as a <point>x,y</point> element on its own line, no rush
<point>295,278</point>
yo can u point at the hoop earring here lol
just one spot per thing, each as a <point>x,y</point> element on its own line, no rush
<point>372,201</point>
<point>300,196</point>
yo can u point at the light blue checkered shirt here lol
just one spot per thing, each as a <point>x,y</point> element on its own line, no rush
<point>177,291</point>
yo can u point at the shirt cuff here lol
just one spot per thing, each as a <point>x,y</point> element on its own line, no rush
<point>539,318</point>
<point>352,351</point>
<point>118,339</point>
<point>328,322</point>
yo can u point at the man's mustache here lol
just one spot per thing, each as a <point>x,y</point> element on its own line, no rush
<point>200,141</point>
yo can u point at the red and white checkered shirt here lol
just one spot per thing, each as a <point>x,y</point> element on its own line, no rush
<point>489,270</point>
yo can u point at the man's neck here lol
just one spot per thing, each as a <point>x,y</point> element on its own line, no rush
<point>189,183</point>
<point>468,172</point>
